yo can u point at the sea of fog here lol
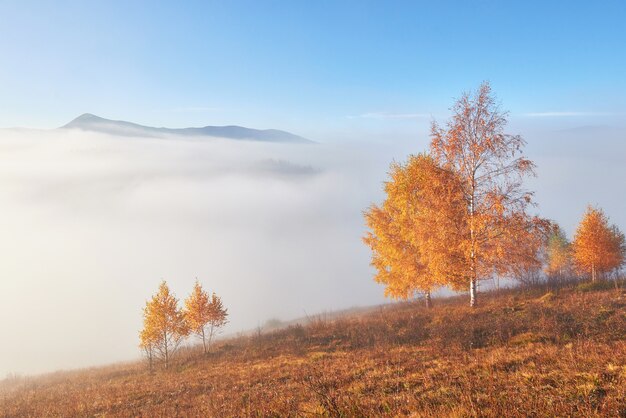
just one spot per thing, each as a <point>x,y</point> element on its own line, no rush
<point>90,224</point>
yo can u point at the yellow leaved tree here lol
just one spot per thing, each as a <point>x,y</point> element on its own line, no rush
<point>558,255</point>
<point>164,326</point>
<point>458,214</point>
<point>204,315</point>
<point>413,233</point>
<point>598,247</point>
<point>490,165</point>
<point>218,319</point>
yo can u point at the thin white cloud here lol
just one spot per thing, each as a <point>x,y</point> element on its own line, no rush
<point>564,114</point>
<point>390,115</point>
<point>194,109</point>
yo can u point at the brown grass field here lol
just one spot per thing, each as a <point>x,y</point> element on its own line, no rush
<point>520,353</point>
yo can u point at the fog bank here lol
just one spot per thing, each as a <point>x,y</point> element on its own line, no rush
<point>91,223</point>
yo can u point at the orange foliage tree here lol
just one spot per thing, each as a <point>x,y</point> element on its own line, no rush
<point>520,250</point>
<point>164,326</point>
<point>204,314</point>
<point>147,344</point>
<point>218,319</point>
<point>491,167</point>
<point>598,247</point>
<point>412,233</point>
<point>558,254</point>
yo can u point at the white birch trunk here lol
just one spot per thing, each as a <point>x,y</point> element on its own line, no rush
<point>429,302</point>
<point>472,292</point>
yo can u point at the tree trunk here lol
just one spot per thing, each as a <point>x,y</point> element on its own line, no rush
<point>429,302</point>
<point>593,273</point>
<point>210,339</point>
<point>473,292</point>
<point>204,341</point>
<point>473,263</point>
<point>149,354</point>
<point>166,349</point>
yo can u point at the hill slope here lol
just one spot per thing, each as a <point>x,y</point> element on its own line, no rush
<point>89,122</point>
<point>518,354</point>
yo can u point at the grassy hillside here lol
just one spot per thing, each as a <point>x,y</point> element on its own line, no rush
<point>521,353</point>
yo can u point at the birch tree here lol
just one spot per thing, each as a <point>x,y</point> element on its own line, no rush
<point>413,233</point>
<point>164,326</point>
<point>217,319</point>
<point>491,168</point>
<point>598,247</point>
<point>204,314</point>
<point>147,341</point>
<point>558,254</point>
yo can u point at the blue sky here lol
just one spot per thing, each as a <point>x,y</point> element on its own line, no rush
<point>322,68</point>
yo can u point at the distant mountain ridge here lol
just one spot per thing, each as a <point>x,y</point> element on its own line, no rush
<point>89,122</point>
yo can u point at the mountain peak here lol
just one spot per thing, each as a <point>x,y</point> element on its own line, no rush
<point>93,123</point>
<point>87,116</point>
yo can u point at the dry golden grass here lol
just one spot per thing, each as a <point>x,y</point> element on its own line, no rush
<point>521,353</point>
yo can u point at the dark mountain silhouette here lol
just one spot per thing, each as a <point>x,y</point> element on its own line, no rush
<point>89,122</point>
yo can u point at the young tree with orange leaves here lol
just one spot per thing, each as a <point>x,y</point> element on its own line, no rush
<point>147,342</point>
<point>204,314</point>
<point>411,233</point>
<point>598,247</point>
<point>217,319</point>
<point>198,312</point>
<point>519,252</point>
<point>164,326</point>
<point>558,254</point>
<point>491,168</point>
<point>619,250</point>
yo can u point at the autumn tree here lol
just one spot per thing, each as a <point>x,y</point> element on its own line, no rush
<point>164,325</point>
<point>598,247</point>
<point>147,343</point>
<point>198,312</point>
<point>411,232</point>
<point>520,251</point>
<point>618,254</point>
<point>217,319</point>
<point>558,254</point>
<point>204,314</point>
<point>491,168</point>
